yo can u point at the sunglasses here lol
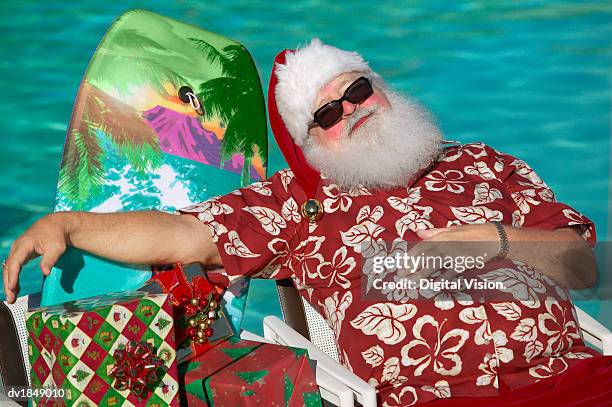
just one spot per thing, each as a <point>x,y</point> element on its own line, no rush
<point>328,114</point>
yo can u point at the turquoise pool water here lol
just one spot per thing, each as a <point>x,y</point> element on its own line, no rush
<point>530,78</point>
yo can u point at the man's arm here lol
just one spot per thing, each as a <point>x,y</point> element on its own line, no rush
<point>148,237</point>
<point>560,254</point>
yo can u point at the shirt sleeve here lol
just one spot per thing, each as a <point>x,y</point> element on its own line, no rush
<point>536,204</point>
<point>253,227</point>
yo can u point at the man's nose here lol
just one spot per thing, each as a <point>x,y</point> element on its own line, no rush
<point>348,107</point>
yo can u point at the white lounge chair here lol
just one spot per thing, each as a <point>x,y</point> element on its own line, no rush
<point>304,327</point>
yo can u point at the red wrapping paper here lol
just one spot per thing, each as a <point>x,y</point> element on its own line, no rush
<point>248,373</point>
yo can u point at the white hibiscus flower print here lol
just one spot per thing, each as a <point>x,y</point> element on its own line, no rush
<point>261,188</point>
<point>500,340</point>
<point>213,206</point>
<point>524,199</point>
<point>555,366</point>
<point>407,396</point>
<point>533,349</point>
<point>445,298</point>
<point>558,323</point>
<point>578,355</point>
<point>525,171</point>
<point>476,150</point>
<point>416,219</point>
<point>337,199</point>
<point>402,205</point>
<point>441,389</point>
<point>489,369</point>
<point>440,352</point>
<point>304,259</point>
<point>338,270</point>
<point>449,180</point>
<point>483,335</point>
<point>525,331</point>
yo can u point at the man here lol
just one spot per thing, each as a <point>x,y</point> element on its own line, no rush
<point>368,169</point>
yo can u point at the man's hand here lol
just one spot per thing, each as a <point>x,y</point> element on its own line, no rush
<point>140,237</point>
<point>47,238</point>
<point>560,254</point>
<point>465,241</point>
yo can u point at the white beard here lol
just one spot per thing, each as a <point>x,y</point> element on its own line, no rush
<point>386,151</point>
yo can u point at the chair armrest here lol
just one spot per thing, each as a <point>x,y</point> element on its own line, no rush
<point>250,336</point>
<point>276,330</point>
<point>594,332</point>
<point>331,389</point>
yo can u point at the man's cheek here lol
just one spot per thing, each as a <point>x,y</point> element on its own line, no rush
<point>333,134</point>
<point>376,99</point>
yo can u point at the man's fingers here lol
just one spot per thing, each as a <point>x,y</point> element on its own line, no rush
<point>7,292</point>
<point>11,278</point>
<point>21,253</point>
<point>49,259</point>
<point>429,233</point>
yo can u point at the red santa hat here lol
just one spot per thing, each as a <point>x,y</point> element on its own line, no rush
<point>297,77</point>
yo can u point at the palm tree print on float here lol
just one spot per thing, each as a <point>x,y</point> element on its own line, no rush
<point>235,99</point>
<point>82,173</point>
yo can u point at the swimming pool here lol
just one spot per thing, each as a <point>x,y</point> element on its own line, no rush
<point>530,79</point>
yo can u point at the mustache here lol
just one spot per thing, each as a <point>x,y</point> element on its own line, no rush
<point>357,115</point>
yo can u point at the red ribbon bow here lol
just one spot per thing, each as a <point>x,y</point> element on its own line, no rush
<point>135,368</point>
<point>182,292</point>
<point>174,282</point>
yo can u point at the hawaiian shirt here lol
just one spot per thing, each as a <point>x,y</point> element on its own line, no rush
<point>413,351</point>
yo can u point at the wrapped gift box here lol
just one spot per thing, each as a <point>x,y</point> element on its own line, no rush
<point>247,373</point>
<point>71,346</point>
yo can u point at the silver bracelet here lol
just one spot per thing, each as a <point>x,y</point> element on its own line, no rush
<point>504,245</point>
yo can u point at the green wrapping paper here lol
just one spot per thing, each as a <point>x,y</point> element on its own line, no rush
<point>71,346</point>
<point>247,373</point>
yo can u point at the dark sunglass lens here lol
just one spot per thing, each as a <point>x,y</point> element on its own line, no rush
<point>328,114</point>
<point>359,92</point>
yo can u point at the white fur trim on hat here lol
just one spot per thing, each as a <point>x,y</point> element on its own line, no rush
<point>300,79</point>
